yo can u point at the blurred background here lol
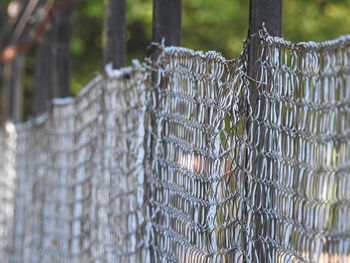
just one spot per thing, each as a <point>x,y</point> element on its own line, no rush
<point>219,25</point>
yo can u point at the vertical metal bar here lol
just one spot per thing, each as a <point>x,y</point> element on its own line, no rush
<point>43,83</point>
<point>270,13</point>
<point>17,88</point>
<point>62,56</point>
<point>115,33</point>
<point>167,25</point>
<point>53,61</point>
<point>167,21</point>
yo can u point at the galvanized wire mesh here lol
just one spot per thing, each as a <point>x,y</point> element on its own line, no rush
<point>8,141</point>
<point>119,187</point>
<point>80,176</point>
<point>196,196</point>
<point>189,158</point>
<point>299,138</point>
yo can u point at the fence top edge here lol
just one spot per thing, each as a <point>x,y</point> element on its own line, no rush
<point>327,45</point>
<point>32,122</point>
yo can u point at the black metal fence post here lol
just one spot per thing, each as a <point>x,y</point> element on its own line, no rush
<point>43,92</point>
<point>62,57</point>
<point>167,21</point>
<point>115,33</point>
<point>268,12</point>
<point>167,25</point>
<point>53,59</point>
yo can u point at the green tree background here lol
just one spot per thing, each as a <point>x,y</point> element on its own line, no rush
<point>219,25</point>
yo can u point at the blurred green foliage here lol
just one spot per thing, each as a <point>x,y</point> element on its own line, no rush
<point>207,25</point>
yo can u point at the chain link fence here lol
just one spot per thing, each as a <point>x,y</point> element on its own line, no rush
<point>188,157</point>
